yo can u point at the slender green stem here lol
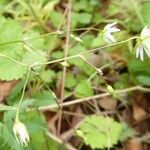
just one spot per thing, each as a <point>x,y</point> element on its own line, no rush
<point>57,32</point>
<point>55,98</point>
<point>96,69</point>
<point>69,57</point>
<point>95,73</point>
<point>89,51</point>
<point>22,96</point>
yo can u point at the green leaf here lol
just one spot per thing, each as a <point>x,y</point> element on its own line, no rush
<point>45,98</point>
<point>145,13</point>
<point>87,40</point>
<point>70,81</point>
<point>78,61</point>
<point>5,107</point>
<point>48,76</point>
<point>82,5</point>
<point>83,89</point>
<point>98,41</point>
<point>15,93</point>
<point>139,71</point>
<point>81,19</point>
<point>33,39</point>
<point>55,18</point>
<point>76,50</point>
<point>11,32</point>
<point>8,138</point>
<point>34,57</point>
<point>143,79</point>
<point>100,132</point>
<point>57,54</point>
<point>10,70</point>
<point>113,9</point>
<point>52,42</point>
<point>86,5</point>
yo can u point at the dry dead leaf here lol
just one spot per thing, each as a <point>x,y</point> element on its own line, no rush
<point>108,103</point>
<point>134,144</point>
<point>138,112</point>
<point>5,88</point>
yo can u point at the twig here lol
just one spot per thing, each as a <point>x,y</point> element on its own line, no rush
<point>65,55</point>
<point>76,101</point>
<point>66,49</point>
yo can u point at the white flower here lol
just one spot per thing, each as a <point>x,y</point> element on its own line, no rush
<point>107,32</point>
<point>21,133</point>
<point>143,44</point>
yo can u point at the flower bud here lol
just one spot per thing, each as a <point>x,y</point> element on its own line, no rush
<point>107,32</point>
<point>21,133</point>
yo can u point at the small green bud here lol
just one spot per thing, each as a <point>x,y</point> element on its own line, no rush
<point>110,90</point>
<point>64,64</point>
<point>76,38</point>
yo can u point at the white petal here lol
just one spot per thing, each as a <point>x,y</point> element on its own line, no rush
<point>147,50</point>
<point>21,133</point>
<point>146,42</point>
<point>145,32</point>
<point>109,26</point>
<point>137,52</point>
<point>112,24</point>
<point>114,29</point>
<point>111,38</point>
<point>141,53</point>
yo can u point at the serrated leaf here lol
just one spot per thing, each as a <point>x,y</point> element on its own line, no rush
<point>57,55</point>
<point>34,57</point>
<point>87,40</point>
<point>5,107</point>
<point>48,76</point>
<point>33,39</point>
<point>83,89</point>
<point>8,138</point>
<point>15,93</point>
<point>70,81</point>
<point>139,71</point>
<point>45,98</point>
<point>10,70</point>
<point>100,132</point>
<point>144,79</point>
<point>11,31</point>
<point>55,18</point>
<point>80,18</point>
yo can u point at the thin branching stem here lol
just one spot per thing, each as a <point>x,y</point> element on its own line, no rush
<point>81,100</point>
<point>22,96</point>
